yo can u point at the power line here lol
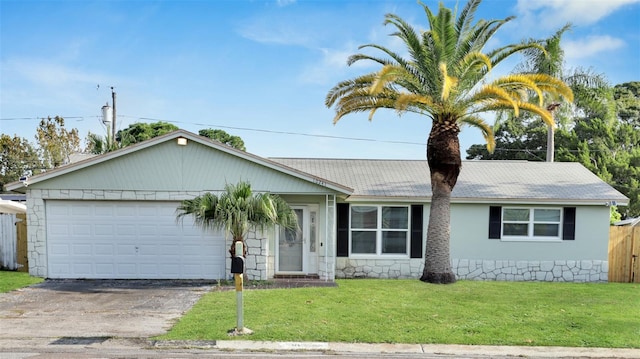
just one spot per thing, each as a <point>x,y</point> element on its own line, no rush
<point>284,132</point>
<point>42,118</point>
<point>237,128</point>
<point>529,151</point>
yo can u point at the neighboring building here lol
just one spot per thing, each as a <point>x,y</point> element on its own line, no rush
<point>113,216</point>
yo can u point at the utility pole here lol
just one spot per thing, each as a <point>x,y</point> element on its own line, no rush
<point>551,144</point>
<point>113,124</point>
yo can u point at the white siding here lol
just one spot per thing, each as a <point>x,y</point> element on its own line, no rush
<point>8,241</point>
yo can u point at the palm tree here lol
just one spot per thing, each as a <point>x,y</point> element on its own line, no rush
<point>444,78</point>
<point>236,210</point>
<point>98,145</point>
<point>550,61</point>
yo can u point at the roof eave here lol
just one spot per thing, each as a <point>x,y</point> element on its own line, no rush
<point>550,201</point>
<point>462,200</point>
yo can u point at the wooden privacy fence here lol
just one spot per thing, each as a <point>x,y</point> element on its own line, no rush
<point>13,242</point>
<point>624,249</point>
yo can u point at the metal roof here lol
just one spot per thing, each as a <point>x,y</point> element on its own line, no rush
<point>479,181</point>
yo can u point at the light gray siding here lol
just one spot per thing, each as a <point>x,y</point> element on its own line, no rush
<point>170,167</point>
<point>470,228</point>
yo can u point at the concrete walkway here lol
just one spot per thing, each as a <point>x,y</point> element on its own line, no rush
<point>454,350</point>
<point>116,347</point>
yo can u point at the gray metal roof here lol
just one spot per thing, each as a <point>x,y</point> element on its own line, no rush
<point>479,181</point>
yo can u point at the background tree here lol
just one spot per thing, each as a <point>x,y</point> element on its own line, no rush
<point>56,142</point>
<point>140,131</point>
<point>627,97</point>
<point>236,210</point>
<point>17,158</point>
<point>224,137</point>
<point>445,79</point>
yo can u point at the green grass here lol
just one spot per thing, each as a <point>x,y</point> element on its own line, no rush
<point>409,311</point>
<point>14,280</point>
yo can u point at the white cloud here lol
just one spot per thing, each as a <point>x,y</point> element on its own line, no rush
<point>555,13</point>
<point>590,46</point>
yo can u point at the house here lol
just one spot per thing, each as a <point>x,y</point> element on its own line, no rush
<point>113,216</point>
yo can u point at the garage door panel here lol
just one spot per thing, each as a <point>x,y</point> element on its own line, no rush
<point>104,250</point>
<point>104,229</point>
<point>82,211</point>
<point>129,240</point>
<point>79,250</point>
<point>61,250</point>
<point>80,229</point>
<point>104,269</point>
<point>59,229</point>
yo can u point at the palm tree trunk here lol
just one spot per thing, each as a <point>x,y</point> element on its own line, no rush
<point>443,156</point>
<point>437,265</point>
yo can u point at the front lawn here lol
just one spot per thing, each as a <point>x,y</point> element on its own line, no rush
<point>15,280</point>
<point>409,311</point>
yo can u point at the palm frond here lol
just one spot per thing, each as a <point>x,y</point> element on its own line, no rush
<point>345,87</point>
<point>465,20</point>
<point>387,74</point>
<point>360,57</point>
<point>406,100</point>
<point>448,82</point>
<point>492,93</point>
<point>518,83</point>
<point>500,54</point>
<point>236,209</point>
<point>545,115</point>
<point>487,131</point>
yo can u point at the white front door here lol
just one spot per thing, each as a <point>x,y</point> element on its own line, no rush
<point>298,249</point>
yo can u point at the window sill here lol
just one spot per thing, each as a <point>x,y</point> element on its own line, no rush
<point>379,256</point>
<point>531,239</point>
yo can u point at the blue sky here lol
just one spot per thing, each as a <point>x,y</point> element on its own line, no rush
<point>258,69</point>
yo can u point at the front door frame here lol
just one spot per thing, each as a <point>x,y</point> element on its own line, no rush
<point>309,258</point>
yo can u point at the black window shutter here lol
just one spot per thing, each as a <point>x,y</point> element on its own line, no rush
<point>342,225</point>
<point>569,224</point>
<point>416,231</point>
<point>495,222</point>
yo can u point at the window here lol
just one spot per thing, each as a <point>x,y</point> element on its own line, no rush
<point>531,223</point>
<point>377,230</point>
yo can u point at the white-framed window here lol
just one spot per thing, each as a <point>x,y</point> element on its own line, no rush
<point>519,223</point>
<point>379,230</point>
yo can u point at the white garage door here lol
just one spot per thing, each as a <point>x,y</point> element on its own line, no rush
<point>129,240</point>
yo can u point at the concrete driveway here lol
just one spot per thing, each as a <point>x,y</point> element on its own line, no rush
<point>96,308</point>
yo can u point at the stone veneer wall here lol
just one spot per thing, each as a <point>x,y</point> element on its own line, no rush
<point>378,268</point>
<point>543,271</point>
<point>326,272</point>
<point>469,269</point>
<point>256,265</point>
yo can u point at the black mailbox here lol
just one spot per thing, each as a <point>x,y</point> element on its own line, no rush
<point>237,265</point>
